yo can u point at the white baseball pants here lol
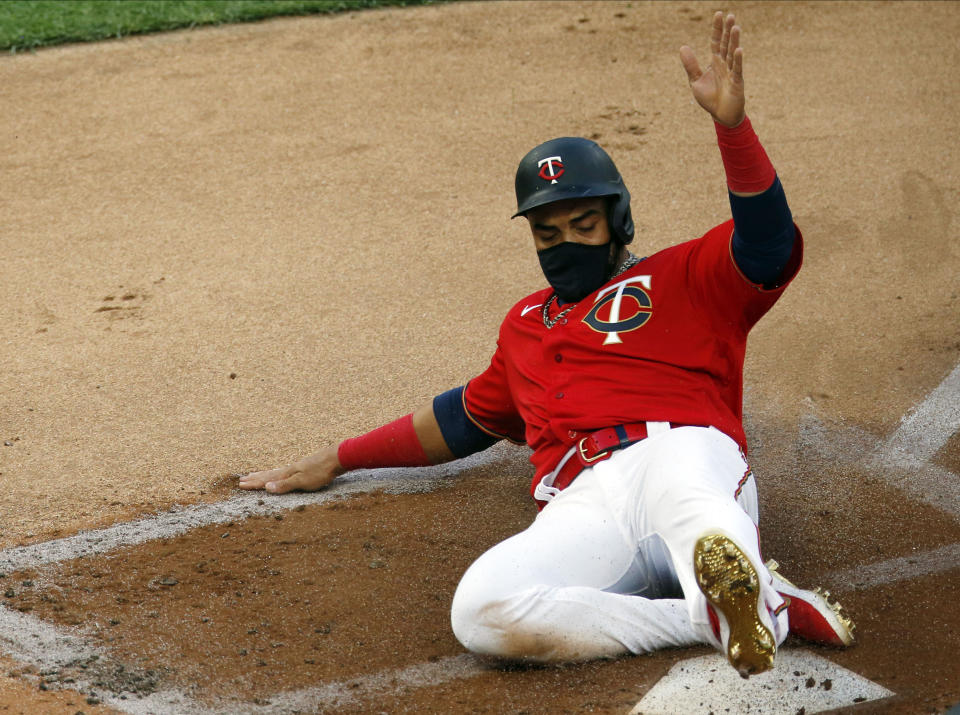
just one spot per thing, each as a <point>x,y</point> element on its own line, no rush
<point>606,568</point>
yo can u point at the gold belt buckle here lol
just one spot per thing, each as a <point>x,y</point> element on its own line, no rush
<point>583,456</point>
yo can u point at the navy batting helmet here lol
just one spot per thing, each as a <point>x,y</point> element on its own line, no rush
<point>573,168</point>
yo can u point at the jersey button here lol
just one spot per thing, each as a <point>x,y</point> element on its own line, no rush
<point>558,357</point>
<point>572,433</point>
<point>559,395</point>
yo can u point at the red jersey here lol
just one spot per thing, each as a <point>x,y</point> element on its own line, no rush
<point>663,341</point>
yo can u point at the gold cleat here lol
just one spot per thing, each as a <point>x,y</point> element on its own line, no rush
<point>731,585</point>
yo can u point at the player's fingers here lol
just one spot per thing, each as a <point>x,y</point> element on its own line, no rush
<point>733,45</point>
<point>737,73</point>
<point>296,481</point>
<point>258,480</point>
<point>283,484</point>
<point>725,37</point>
<point>717,34</point>
<point>690,64</point>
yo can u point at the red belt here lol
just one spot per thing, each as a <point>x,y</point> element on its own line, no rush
<point>598,446</point>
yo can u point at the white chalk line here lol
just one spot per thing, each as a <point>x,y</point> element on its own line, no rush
<point>56,651</point>
<point>53,650</point>
<point>903,568</point>
<point>853,446</point>
<point>330,695</point>
<point>45,646</point>
<point>50,649</point>
<point>181,519</point>
<point>903,460</point>
<point>928,427</point>
<point>341,693</point>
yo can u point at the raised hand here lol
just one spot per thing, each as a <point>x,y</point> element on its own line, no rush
<point>719,87</point>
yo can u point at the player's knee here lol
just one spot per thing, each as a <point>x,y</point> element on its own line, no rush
<point>501,627</point>
<point>476,617</point>
<point>468,623</point>
<point>476,613</point>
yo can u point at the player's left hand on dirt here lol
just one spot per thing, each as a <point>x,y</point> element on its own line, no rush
<point>719,87</point>
<point>308,474</point>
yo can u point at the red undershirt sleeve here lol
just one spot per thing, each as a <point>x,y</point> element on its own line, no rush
<point>394,445</point>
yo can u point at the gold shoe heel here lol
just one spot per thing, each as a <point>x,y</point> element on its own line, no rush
<point>731,585</point>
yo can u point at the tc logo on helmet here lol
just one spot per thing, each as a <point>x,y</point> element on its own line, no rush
<point>551,168</point>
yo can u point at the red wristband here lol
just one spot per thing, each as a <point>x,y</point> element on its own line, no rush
<point>747,165</point>
<point>393,445</point>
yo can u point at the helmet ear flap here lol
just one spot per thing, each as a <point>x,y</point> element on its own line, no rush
<point>619,217</point>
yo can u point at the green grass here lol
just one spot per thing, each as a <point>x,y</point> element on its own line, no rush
<point>26,24</point>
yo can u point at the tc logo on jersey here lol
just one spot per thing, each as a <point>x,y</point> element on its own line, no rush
<point>617,322</point>
<point>551,168</point>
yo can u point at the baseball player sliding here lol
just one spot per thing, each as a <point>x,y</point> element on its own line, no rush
<point>624,376</point>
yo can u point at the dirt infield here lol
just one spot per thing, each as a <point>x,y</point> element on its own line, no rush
<point>224,248</point>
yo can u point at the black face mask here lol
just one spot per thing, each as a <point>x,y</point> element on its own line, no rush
<point>575,270</point>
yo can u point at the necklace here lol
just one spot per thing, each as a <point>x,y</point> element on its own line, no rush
<point>629,262</point>
<point>547,320</point>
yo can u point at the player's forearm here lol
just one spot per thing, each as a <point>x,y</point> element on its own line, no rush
<point>748,168</point>
<point>414,440</point>
<point>764,233</point>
